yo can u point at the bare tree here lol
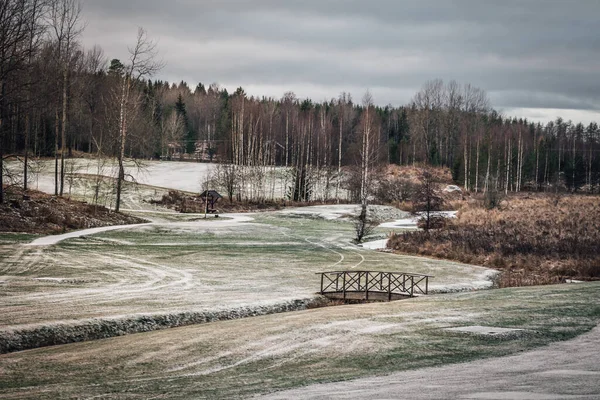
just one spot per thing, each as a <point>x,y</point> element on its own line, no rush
<point>94,63</point>
<point>369,135</point>
<point>228,178</point>
<point>344,115</point>
<point>35,29</point>
<point>428,101</point>
<point>173,133</point>
<point>363,224</point>
<point>15,17</point>
<point>65,18</point>
<point>142,63</point>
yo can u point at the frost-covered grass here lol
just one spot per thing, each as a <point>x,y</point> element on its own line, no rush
<point>237,359</point>
<point>12,238</point>
<point>193,265</point>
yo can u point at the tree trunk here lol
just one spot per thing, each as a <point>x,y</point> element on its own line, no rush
<point>477,167</point>
<point>287,138</point>
<point>63,139</point>
<point>339,177</point>
<point>123,137</point>
<point>508,161</point>
<point>590,167</point>
<point>520,161</point>
<point>487,172</point>
<point>56,133</point>
<point>466,162</point>
<point>537,160</point>
<point>2,93</point>
<point>26,155</point>
<point>574,164</point>
<point>546,169</point>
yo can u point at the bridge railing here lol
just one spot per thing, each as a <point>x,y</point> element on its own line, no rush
<point>393,284</point>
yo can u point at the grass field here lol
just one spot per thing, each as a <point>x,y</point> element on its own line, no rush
<point>175,272</point>
<point>233,359</point>
<point>201,277</point>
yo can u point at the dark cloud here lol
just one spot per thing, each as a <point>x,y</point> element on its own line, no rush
<point>527,54</point>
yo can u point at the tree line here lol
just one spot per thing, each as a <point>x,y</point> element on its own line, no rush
<point>58,99</point>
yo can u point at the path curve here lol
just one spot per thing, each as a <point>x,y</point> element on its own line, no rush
<point>564,370</point>
<point>55,239</point>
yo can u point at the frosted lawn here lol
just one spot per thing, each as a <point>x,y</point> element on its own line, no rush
<point>236,359</point>
<point>173,266</point>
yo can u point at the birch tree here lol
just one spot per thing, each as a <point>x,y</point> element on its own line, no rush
<point>142,63</point>
<point>65,21</point>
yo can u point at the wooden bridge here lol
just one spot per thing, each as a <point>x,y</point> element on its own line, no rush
<point>372,285</point>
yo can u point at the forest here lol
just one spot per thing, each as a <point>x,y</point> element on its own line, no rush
<point>59,100</point>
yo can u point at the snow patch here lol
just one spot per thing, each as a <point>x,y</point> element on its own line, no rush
<point>54,239</point>
<point>411,223</point>
<point>487,330</point>
<point>376,244</point>
<point>515,395</point>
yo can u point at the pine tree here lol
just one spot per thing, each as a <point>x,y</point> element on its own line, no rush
<point>190,135</point>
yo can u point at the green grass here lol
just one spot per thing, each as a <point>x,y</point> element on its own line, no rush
<point>233,359</point>
<point>16,238</point>
<point>180,265</point>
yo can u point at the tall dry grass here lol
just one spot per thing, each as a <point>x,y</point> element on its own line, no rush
<point>532,239</point>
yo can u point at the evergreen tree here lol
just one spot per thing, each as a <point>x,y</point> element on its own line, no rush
<point>190,135</point>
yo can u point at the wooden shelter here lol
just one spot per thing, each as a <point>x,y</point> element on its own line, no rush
<point>210,198</point>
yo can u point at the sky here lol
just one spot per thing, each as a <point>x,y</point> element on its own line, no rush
<point>537,59</point>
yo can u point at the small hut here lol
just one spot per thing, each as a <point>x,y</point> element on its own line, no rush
<point>210,198</point>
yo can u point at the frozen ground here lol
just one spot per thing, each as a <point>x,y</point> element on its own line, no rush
<point>185,176</point>
<point>181,267</point>
<point>568,370</point>
<point>160,175</point>
<point>184,263</point>
<point>240,358</point>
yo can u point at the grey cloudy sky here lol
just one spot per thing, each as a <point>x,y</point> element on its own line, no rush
<point>535,58</point>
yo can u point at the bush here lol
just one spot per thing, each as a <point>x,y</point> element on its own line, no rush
<point>532,238</point>
<point>395,190</point>
<point>492,199</point>
<point>435,222</point>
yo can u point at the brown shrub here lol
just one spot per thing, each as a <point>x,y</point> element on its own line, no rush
<point>534,239</point>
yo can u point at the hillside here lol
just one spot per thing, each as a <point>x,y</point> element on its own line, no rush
<point>46,214</point>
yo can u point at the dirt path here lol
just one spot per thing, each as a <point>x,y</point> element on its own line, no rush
<point>566,370</point>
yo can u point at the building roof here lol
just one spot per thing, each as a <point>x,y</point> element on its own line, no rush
<point>211,193</point>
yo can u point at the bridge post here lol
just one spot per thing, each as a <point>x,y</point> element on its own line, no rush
<point>412,285</point>
<point>389,286</point>
<point>426,285</point>
<point>344,285</point>
<point>367,285</point>
<point>322,277</point>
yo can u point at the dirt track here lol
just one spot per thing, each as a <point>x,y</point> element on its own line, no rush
<point>566,370</point>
